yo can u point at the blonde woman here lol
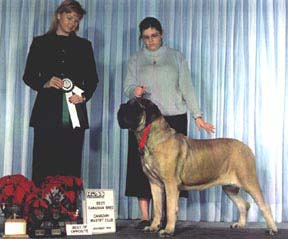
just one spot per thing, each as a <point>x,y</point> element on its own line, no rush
<point>60,54</point>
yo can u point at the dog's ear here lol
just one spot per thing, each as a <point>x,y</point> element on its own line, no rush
<point>152,111</point>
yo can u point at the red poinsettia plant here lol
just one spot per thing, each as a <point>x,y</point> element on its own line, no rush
<point>35,208</point>
<point>14,190</point>
<point>57,197</point>
<point>62,196</point>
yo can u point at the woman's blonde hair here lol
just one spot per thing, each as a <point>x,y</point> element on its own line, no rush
<point>67,6</point>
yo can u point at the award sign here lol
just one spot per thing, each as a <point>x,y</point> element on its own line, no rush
<point>100,212</point>
<point>78,230</point>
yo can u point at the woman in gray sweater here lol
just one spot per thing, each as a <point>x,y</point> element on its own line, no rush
<point>160,74</point>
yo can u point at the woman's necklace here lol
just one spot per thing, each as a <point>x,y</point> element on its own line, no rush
<point>155,58</point>
<point>155,55</point>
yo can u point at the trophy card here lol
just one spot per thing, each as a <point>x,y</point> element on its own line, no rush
<point>78,230</point>
<point>100,211</point>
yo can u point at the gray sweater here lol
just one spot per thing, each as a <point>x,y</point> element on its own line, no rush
<point>167,79</point>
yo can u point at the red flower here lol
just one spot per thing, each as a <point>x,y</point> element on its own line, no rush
<point>67,181</point>
<point>70,195</point>
<point>8,190</point>
<point>19,196</point>
<point>79,182</point>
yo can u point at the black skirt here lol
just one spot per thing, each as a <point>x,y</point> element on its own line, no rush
<point>137,184</point>
<point>57,152</point>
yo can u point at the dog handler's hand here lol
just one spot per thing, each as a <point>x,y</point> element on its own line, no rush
<point>201,124</point>
<point>54,82</point>
<point>139,91</point>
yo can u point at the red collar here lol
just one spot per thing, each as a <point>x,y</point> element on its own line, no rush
<point>144,137</point>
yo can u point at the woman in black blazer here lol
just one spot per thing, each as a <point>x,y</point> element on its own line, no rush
<point>60,54</point>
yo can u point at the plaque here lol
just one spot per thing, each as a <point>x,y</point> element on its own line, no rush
<point>39,232</point>
<point>56,232</point>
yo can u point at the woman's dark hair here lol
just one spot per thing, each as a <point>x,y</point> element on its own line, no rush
<point>67,6</point>
<point>147,23</point>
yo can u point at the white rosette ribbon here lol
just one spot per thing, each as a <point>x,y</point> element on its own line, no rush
<point>71,89</point>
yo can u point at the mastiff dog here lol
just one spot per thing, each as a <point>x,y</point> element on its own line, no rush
<point>174,162</point>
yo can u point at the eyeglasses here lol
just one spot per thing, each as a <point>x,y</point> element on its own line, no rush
<point>152,37</point>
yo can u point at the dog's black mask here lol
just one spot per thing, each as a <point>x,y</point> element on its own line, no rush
<point>130,114</point>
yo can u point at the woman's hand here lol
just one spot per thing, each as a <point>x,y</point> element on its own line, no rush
<point>54,82</point>
<point>201,124</point>
<point>139,91</point>
<point>76,99</point>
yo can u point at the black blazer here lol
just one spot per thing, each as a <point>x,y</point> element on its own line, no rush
<point>65,57</point>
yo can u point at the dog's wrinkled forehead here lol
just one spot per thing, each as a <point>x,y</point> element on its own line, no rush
<point>151,110</point>
<point>136,112</point>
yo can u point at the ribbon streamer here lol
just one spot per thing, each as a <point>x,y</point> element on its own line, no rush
<point>71,107</point>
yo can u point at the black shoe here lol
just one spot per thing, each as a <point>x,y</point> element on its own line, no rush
<point>142,224</point>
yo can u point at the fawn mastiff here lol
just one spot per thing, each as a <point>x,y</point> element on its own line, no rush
<point>174,162</point>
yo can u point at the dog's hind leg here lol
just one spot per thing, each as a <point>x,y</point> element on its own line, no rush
<point>242,205</point>
<point>157,196</point>
<point>254,190</point>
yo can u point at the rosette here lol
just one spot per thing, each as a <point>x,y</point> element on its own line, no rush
<point>67,85</point>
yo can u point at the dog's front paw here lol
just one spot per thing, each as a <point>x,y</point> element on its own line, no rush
<point>166,233</point>
<point>151,229</point>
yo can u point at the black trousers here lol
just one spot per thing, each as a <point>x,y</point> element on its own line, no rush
<point>57,152</point>
<point>137,184</point>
